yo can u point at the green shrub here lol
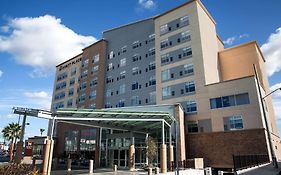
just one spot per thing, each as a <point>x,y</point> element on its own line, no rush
<point>18,169</point>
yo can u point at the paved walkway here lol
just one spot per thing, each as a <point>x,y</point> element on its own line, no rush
<point>267,169</point>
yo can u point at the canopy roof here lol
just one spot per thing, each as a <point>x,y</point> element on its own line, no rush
<point>138,119</point>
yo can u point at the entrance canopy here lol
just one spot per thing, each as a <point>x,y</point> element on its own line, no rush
<point>145,119</point>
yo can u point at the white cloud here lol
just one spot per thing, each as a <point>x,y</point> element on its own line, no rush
<point>1,73</point>
<point>272,52</point>
<point>229,41</point>
<point>41,42</point>
<point>40,94</point>
<point>147,4</point>
<point>277,108</point>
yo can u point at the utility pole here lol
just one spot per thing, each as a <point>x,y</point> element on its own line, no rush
<point>21,143</point>
<point>273,156</point>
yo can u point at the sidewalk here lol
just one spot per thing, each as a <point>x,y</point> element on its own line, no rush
<point>266,169</point>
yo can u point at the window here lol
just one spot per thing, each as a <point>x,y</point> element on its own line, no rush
<point>62,76</point>
<point>242,99</point>
<point>108,92</point>
<point>121,103</point>
<point>96,58</point>
<point>192,126</point>
<point>151,51</point>
<point>135,85</point>
<point>191,106</point>
<point>152,97</point>
<point>187,52</point>
<point>109,79</point>
<point>107,105</point>
<point>151,37</point>
<point>189,87</point>
<point>61,85</point>
<point>83,86</point>
<point>111,55</point>
<point>122,75</point>
<point>134,100</point>
<point>124,49</point>
<point>122,89</point>
<point>73,71</point>
<point>164,58</point>
<point>69,103</point>
<point>151,65</point>
<point>166,92</point>
<point>185,36</point>
<point>164,29</point>
<point>71,138</point>
<point>136,44</point>
<point>164,43</point>
<point>188,69</point>
<point>94,81</point>
<point>135,57</point>
<point>235,122</point>
<point>165,75</point>
<point>93,95</point>
<point>231,100</point>
<point>88,140</point>
<point>60,95</point>
<point>82,98</point>
<point>123,62</point>
<point>110,66</point>
<point>135,70</point>
<point>92,106</point>
<point>84,74</point>
<point>95,69</point>
<point>85,63</point>
<point>184,21</point>
<point>71,82</point>
<point>70,92</point>
<point>152,80</point>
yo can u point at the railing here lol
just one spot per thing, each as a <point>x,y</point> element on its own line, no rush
<point>247,161</point>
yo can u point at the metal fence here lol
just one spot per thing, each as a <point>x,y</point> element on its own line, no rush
<point>247,161</point>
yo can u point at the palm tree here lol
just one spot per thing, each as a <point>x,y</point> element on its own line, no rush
<point>42,130</point>
<point>11,133</point>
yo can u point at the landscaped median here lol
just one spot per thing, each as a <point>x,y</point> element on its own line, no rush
<point>18,169</point>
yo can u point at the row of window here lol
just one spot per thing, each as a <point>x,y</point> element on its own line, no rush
<point>231,100</point>
<point>169,58</point>
<point>166,75</point>
<point>135,44</point>
<point>166,28</point>
<point>134,101</point>
<point>92,96</point>
<point>95,60</point>
<point>168,42</point>
<point>189,87</point>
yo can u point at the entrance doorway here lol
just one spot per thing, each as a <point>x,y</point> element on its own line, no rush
<point>120,157</point>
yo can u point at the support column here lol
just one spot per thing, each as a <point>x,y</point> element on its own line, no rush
<point>131,162</point>
<point>163,158</point>
<point>171,157</point>
<point>46,157</point>
<point>50,157</point>
<point>20,143</point>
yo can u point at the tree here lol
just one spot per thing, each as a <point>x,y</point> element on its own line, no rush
<point>42,130</point>
<point>151,150</point>
<point>11,133</point>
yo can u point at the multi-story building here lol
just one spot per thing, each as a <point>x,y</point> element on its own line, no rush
<point>176,57</point>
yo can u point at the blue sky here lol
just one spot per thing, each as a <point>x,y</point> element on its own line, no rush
<point>37,35</point>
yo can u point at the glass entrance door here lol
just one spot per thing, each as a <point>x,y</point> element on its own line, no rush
<point>120,157</point>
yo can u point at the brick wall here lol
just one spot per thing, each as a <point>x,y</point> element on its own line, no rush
<point>217,148</point>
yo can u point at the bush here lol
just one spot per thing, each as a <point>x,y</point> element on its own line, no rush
<point>18,169</point>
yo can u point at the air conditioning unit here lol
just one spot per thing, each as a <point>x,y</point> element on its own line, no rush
<point>208,171</point>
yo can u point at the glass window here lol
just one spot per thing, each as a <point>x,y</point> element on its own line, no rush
<point>164,58</point>
<point>108,92</point>
<point>151,51</point>
<point>123,62</point>
<point>71,92</point>
<point>122,74</point>
<point>164,43</point>
<point>94,81</point>
<point>71,138</point>
<point>69,103</point>
<point>192,126</point>
<point>111,55</point>
<point>185,35</point>
<point>228,101</point>
<point>151,65</point>
<point>135,70</point>
<point>83,85</point>
<point>121,103</point>
<point>73,71</point>
<point>164,29</point>
<point>88,140</point>
<point>242,99</point>
<point>188,69</point>
<point>166,92</point>
<point>124,49</point>
<point>135,57</point>
<point>122,89</point>
<point>110,66</point>
<point>84,73</point>
<point>71,82</point>
<point>82,98</point>
<point>187,52</point>
<point>191,106</point>
<point>93,95</point>
<point>92,106</point>
<point>184,21</point>
<point>235,122</point>
<point>96,58</point>
<point>135,85</point>
<point>152,97</point>
<point>85,63</point>
<point>136,44</point>
<point>151,37</point>
<point>189,87</point>
<point>135,100</point>
<point>152,80</point>
<point>95,69</point>
<point>165,75</point>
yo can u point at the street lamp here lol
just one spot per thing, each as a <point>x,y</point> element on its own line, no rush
<point>273,156</point>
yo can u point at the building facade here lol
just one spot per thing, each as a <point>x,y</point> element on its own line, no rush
<point>175,57</point>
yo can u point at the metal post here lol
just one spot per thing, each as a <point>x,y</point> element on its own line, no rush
<point>91,166</point>
<point>177,157</point>
<point>20,143</point>
<point>273,156</point>
<point>163,133</point>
